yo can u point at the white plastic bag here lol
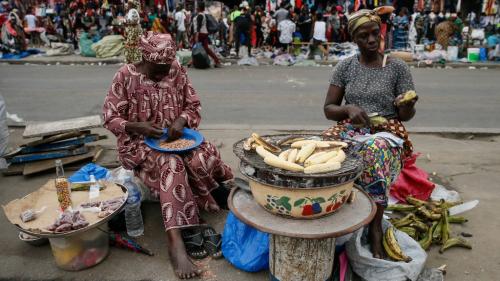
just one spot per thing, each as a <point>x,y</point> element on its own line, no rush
<point>370,268</point>
<point>251,61</point>
<point>441,192</point>
<point>119,175</point>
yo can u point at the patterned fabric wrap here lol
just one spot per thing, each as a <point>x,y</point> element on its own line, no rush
<point>383,163</point>
<point>361,17</point>
<point>181,182</point>
<point>158,48</point>
<point>344,129</point>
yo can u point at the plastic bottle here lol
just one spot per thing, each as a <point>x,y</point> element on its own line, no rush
<point>133,215</point>
<point>62,187</point>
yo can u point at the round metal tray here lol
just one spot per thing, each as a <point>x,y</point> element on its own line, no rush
<point>252,165</point>
<point>81,230</point>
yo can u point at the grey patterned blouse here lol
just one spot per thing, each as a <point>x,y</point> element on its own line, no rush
<point>373,88</point>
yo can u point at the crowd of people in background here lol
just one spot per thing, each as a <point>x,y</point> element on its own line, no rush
<point>37,23</point>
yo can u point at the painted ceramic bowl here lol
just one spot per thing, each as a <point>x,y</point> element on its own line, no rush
<point>301,203</point>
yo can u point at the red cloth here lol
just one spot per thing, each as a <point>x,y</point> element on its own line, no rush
<point>412,181</point>
<point>298,4</point>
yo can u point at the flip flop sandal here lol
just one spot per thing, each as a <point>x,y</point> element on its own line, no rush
<point>193,241</point>
<point>212,242</point>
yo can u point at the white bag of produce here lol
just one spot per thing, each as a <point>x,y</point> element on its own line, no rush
<point>370,268</point>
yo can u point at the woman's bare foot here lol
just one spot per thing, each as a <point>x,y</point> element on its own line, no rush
<point>376,233</point>
<point>183,266</point>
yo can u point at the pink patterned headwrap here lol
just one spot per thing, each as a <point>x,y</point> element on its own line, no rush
<point>157,48</point>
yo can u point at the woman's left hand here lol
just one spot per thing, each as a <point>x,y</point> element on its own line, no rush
<point>175,130</point>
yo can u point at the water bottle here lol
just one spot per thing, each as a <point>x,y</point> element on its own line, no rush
<point>133,215</point>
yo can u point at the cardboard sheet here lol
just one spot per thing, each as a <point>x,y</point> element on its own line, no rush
<point>47,196</point>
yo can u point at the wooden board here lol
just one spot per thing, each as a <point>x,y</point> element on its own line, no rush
<point>349,218</point>
<point>13,170</point>
<point>40,129</point>
<point>25,158</point>
<point>45,165</point>
<point>65,144</point>
<point>59,137</point>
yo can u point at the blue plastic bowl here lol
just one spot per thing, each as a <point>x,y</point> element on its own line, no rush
<point>186,134</point>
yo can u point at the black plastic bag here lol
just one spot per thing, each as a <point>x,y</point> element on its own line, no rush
<point>200,57</point>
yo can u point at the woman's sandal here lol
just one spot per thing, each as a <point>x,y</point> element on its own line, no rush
<point>212,242</point>
<point>193,241</point>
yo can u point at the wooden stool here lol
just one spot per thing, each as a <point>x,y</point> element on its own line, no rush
<point>302,250</point>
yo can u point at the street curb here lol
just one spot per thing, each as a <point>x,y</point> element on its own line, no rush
<point>299,128</point>
<point>62,62</point>
<point>304,128</point>
<point>490,65</point>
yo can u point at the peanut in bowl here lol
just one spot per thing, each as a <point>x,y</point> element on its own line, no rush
<point>189,140</point>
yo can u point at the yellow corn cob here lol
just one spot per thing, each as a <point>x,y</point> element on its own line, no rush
<point>340,157</point>
<point>282,164</point>
<point>321,159</point>
<point>263,152</point>
<point>284,155</point>
<point>292,156</point>
<point>305,152</point>
<point>322,168</point>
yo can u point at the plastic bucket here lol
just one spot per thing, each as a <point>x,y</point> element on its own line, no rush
<point>473,54</point>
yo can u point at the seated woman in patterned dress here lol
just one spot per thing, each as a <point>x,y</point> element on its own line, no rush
<point>144,98</point>
<point>369,84</point>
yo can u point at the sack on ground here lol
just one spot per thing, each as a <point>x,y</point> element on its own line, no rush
<point>372,269</point>
<point>200,57</point>
<point>245,247</point>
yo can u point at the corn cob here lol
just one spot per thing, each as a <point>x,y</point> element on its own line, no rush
<point>322,168</point>
<point>282,164</point>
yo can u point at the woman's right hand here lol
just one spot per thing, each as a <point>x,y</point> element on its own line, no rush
<point>148,129</point>
<point>357,115</point>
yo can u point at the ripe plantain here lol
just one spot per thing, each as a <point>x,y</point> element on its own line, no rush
<point>378,120</point>
<point>401,208</point>
<point>392,247</point>
<point>455,242</point>
<point>426,242</point>
<point>408,96</point>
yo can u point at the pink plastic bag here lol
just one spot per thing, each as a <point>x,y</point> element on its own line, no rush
<point>412,181</point>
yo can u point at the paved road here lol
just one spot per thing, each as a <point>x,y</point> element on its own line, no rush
<point>275,97</point>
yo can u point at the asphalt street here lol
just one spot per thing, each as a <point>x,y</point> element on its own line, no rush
<point>256,97</point>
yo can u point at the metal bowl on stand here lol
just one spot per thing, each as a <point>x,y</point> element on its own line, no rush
<point>295,194</point>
